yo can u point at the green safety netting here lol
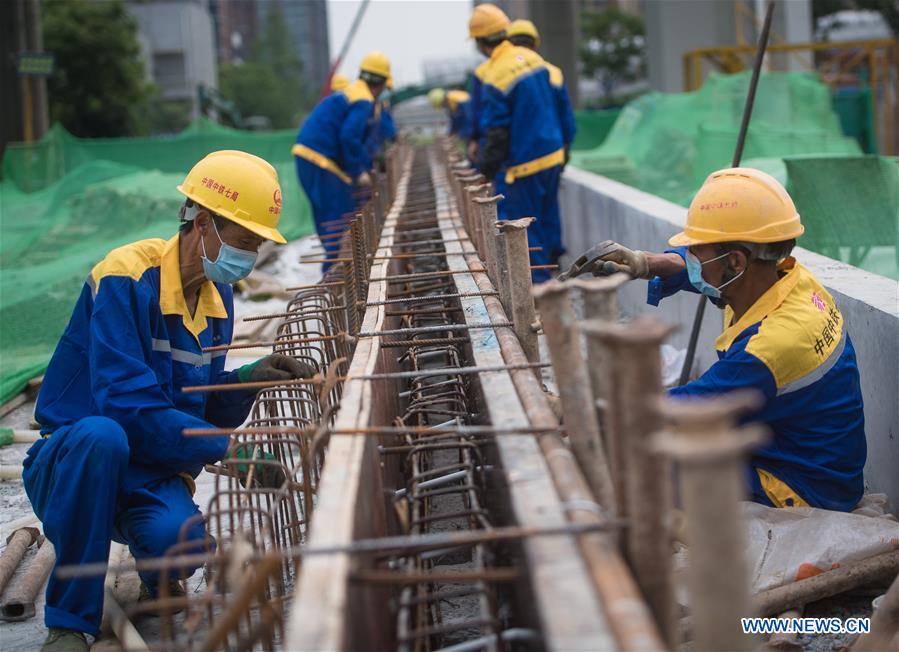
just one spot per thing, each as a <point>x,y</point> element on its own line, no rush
<point>666,144</point>
<point>593,127</point>
<point>66,201</point>
<point>850,208</point>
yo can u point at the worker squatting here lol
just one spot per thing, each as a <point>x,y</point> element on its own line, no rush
<point>113,463</point>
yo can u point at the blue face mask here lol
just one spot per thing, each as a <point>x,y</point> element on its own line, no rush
<point>694,271</point>
<point>232,263</point>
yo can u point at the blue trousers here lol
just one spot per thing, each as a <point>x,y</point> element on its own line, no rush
<point>537,196</point>
<point>331,199</point>
<point>75,480</point>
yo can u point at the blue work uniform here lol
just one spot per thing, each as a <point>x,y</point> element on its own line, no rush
<point>387,126</point>
<point>793,348</point>
<point>522,131</point>
<point>475,103</point>
<point>458,104</point>
<point>563,104</point>
<point>330,152</point>
<point>113,463</point>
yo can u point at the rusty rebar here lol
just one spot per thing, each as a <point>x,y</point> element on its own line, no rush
<point>635,366</point>
<point>518,281</point>
<point>563,339</point>
<point>600,297</point>
<point>710,453</point>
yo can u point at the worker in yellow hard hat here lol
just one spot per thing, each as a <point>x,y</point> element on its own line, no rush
<point>487,26</point>
<point>339,82</point>
<point>523,151</point>
<point>332,156</point>
<point>783,335</point>
<point>457,104</point>
<point>113,462</point>
<point>524,33</point>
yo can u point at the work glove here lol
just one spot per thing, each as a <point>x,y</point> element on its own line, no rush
<point>364,180</point>
<point>567,157</point>
<point>267,476</point>
<point>275,367</point>
<point>607,258</point>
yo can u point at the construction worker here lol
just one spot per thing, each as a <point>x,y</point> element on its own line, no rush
<point>458,106</point>
<point>783,336</point>
<point>524,33</point>
<point>339,82</point>
<point>487,22</point>
<point>113,463</point>
<point>523,146</point>
<point>331,153</point>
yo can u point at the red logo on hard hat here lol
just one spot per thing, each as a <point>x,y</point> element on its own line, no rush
<point>277,197</point>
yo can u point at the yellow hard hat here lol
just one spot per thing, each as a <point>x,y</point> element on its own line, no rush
<point>740,205</point>
<point>487,20</point>
<point>240,187</point>
<point>339,82</point>
<point>436,97</point>
<point>376,63</point>
<point>523,27</point>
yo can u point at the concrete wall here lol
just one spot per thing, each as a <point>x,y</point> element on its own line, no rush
<point>595,208</point>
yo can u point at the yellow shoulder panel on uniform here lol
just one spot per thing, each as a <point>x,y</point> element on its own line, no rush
<point>801,335</point>
<point>358,91</point>
<point>455,98</point>
<point>129,260</point>
<point>481,71</point>
<point>513,65</point>
<point>556,78</point>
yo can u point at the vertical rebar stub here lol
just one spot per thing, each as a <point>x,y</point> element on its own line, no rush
<point>709,448</point>
<point>518,266</point>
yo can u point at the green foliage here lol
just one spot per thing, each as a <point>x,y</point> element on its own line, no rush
<point>271,83</point>
<point>99,87</point>
<point>612,47</point>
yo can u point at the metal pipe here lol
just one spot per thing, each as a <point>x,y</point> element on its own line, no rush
<point>518,280</point>
<point>18,600</point>
<point>635,364</point>
<point>564,342</point>
<point>710,453</point>
<point>16,545</point>
<point>601,304</point>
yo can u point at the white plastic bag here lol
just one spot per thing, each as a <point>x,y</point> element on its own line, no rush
<point>786,545</point>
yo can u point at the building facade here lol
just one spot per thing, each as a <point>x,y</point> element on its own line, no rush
<point>177,42</point>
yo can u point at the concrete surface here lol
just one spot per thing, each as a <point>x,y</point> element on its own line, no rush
<point>595,208</point>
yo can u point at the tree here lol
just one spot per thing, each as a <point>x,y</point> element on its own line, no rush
<point>270,83</point>
<point>99,87</point>
<point>612,47</point>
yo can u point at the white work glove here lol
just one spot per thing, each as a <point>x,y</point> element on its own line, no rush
<point>615,257</point>
<point>364,180</point>
<point>607,258</point>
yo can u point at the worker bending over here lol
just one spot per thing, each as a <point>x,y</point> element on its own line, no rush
<point>457,104</point>
<point>783,336</point>
<point>523,148</point>
<point>331,153</point>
